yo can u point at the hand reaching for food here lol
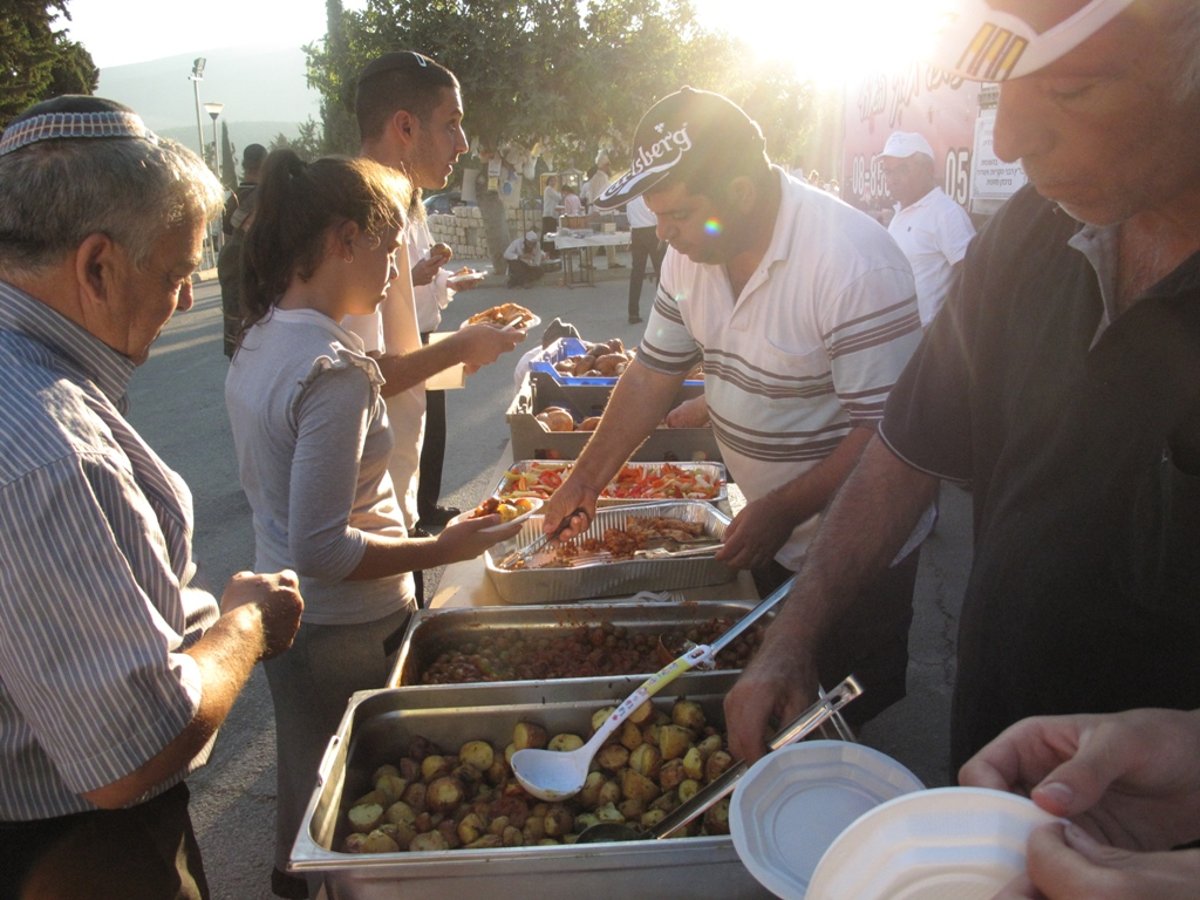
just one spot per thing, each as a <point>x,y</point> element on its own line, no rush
<point>689,414</point>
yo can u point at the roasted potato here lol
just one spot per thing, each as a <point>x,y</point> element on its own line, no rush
<point>564,743</point>
<point>479,754</point>
<point>529,734</point>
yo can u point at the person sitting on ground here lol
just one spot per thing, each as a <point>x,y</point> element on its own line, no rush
<point>313,441</point>
<point>524,261</point>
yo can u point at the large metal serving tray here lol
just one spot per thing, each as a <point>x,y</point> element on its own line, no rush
<point>378,726</point>
<point>432,632</point>
<point>714,472</point>
<point>558,584</point>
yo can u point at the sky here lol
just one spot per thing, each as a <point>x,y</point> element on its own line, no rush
<point>119,32</point>
<point>824,39</point>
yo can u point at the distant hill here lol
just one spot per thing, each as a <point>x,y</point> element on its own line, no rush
<point>265,93</point>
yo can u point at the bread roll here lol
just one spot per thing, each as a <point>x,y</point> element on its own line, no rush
<point>555,418</point>
<point>609,363</point>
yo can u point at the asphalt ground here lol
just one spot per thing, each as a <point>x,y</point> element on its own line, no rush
<point>177,403</point>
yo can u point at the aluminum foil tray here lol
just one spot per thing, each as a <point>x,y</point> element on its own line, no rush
<point>713,472</point>
<point>552,584</point>
<point>379,725</point>
<point>432,632</point>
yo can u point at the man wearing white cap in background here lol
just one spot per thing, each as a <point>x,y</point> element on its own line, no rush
<point>931,229</point>
<point>524,257</point>
<point>1060,382</point>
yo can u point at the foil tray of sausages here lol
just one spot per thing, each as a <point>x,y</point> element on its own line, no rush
<point>554,583</point>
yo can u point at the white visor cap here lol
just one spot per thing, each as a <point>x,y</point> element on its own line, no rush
<point>981,43</point>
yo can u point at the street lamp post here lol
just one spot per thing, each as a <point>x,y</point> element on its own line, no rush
<point>214,110</point>
<point>196,77</point>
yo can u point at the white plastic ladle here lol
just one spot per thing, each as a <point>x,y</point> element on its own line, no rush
<point>551,775</point>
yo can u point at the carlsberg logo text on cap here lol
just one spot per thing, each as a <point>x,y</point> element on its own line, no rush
<point>648,156</point>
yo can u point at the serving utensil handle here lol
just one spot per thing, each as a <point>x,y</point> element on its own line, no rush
<point>764,607</point>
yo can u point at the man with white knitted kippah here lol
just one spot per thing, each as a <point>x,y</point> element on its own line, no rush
<point>115,669</point>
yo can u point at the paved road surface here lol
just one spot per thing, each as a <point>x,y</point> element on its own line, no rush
<point>177,403</point>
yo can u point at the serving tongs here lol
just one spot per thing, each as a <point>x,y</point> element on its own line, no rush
<point>712,793</point>
<point>524,555</point>
<point>603,556</point>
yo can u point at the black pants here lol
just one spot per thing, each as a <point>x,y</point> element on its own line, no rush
<point>549,224</point>
<point>145,852</point>
<point>871,643</point>
<point>433,450</point>
<point>229,275</point>
<point>643,245</point>
<point>521,273</point>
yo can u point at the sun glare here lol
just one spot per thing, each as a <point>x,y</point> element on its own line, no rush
<point>828,41</point>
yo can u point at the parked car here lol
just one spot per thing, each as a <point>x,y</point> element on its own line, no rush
<point>440,204</point>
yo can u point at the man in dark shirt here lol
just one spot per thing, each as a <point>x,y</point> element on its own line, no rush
<point>1060,386</point>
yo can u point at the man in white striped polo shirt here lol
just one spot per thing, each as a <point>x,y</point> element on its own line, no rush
<point>803,312</point>
<point>115,672</point>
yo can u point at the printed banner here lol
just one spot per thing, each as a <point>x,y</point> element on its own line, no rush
<point>920,98</point>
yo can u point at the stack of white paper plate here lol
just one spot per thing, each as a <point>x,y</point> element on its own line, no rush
<point>942,844</point>
<point>794,802</point>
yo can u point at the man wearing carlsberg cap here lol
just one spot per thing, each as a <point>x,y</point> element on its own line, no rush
<point>1061,382</point>
<point>802,310</point>
<point>115,669</point>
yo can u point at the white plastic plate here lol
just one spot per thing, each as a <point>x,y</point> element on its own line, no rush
<point>950,843</point>
<point>794,802</point>
<point>466,278</point>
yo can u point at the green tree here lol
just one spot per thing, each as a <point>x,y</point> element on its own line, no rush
<point>229,170</point>
<point>554,73</point>
<point>37,62</point>
<point>307,144</point>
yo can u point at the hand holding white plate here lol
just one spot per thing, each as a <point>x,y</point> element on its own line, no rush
<point>462,278</point>
<point>944,844</point>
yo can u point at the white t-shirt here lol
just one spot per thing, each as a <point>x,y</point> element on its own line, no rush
<point>531,255</point>
<point>595,186</point>
<point>392,328</point>
<point>933,233</point>
<point>551,201</point>
<point>639,214</point>
<point>430,298</point>
<point>810,349</point>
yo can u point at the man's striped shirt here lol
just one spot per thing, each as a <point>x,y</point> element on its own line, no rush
<point>95,543</point>
<point>810,348</point>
